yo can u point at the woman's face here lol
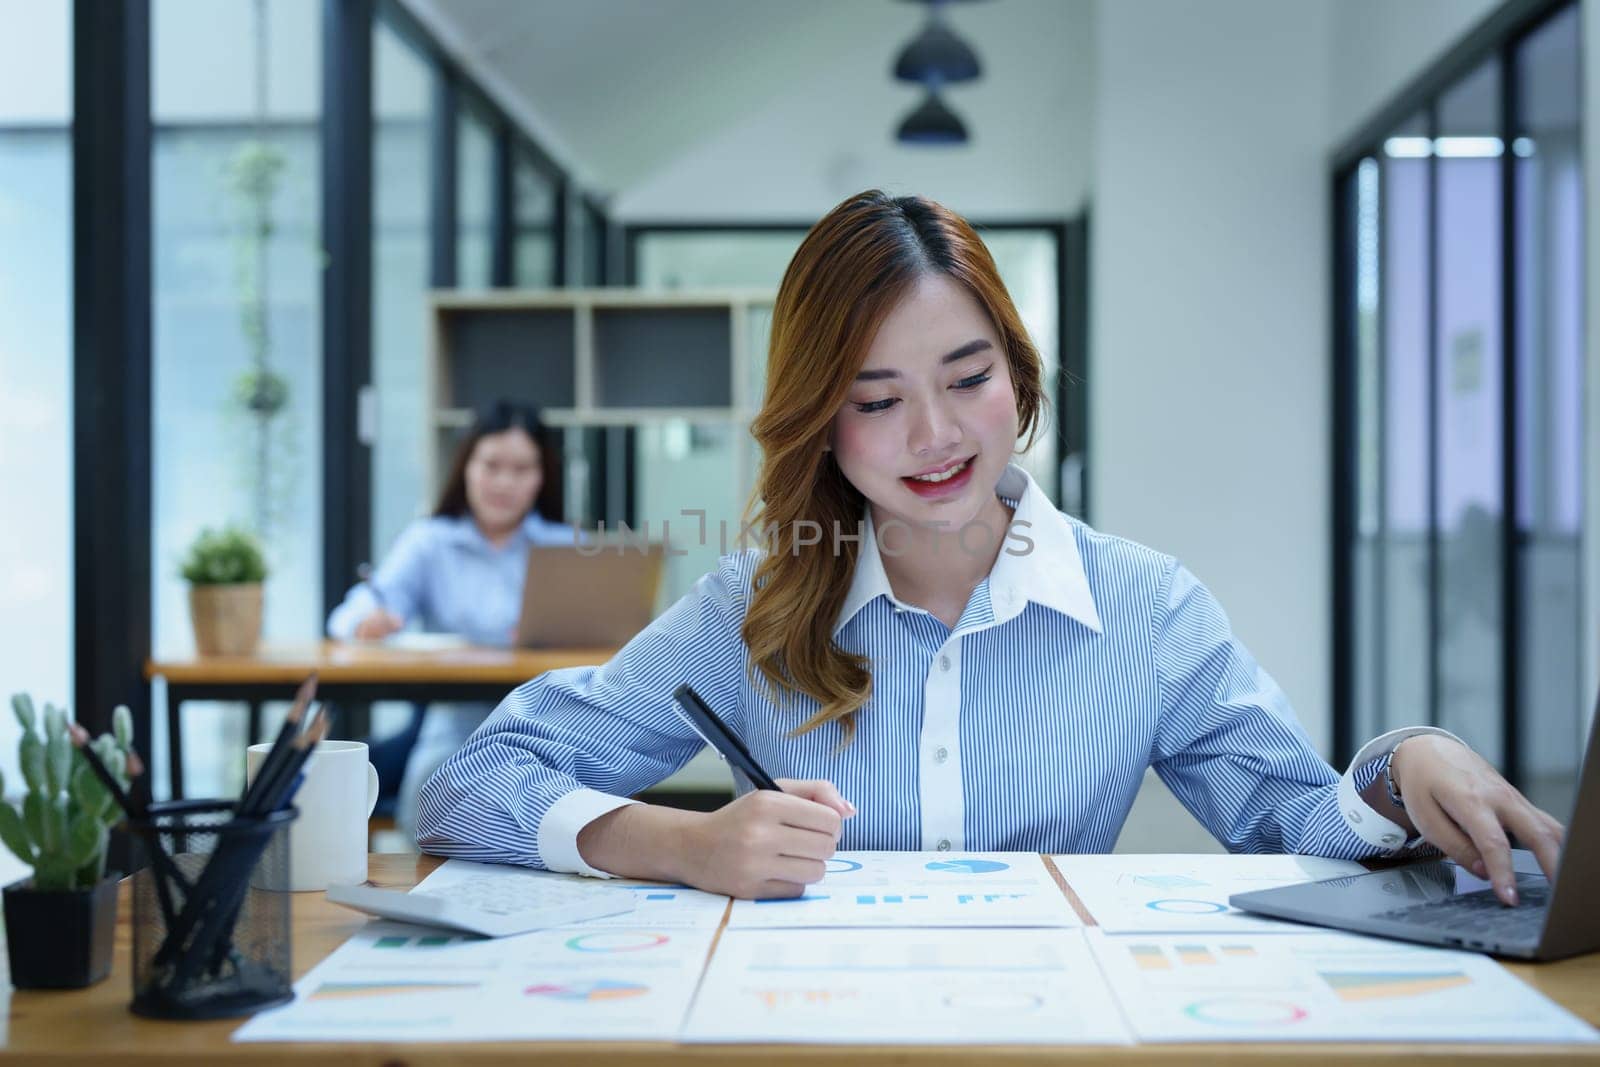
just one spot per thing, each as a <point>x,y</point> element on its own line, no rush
<point>933,397</point>
<point>503,478</point>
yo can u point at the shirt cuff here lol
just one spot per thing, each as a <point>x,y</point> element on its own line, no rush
<point>357,605</point>
<point>1364,820</point>
<point>564,820</point>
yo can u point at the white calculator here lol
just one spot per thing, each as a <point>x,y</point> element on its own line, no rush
<point>491,906</point>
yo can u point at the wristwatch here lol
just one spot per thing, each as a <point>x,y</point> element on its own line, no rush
<point>1388,780</point>
<point>1365,821</point>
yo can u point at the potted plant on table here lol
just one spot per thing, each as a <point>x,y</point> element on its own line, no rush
<point>60,923</point>
<point>225,569</point>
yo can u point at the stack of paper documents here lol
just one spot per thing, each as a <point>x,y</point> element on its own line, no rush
<point>924,948</point>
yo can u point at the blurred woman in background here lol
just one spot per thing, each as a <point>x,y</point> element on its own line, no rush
<point>461,570</point>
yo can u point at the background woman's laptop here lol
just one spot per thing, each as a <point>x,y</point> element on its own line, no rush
<point>1439,903</point>
<point>588,599</point>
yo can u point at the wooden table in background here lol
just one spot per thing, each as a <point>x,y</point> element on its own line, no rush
<point>357,673</point>
<point>95,1024</point>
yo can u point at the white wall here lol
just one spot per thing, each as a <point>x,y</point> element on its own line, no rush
<point>1208,382</point>
<point>1380,45</point>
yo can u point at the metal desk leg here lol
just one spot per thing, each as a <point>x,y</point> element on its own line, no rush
<point>175,743</point>
<point>255,724</point>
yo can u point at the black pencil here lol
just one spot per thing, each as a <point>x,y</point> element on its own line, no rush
<point>81,741</point>
<point>300,751</point>
<point>163,864</point>
<point>280,746</point>
<point>215,936</point>
<point>220,867</point>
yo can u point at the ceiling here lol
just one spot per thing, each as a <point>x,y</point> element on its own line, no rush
<point>621,91</point>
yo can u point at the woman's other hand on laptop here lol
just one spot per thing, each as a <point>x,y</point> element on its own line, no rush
<point>1462,805</point>
<point>378,625</point>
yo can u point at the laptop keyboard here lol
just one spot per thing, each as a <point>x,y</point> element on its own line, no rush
<point>1481,915</point>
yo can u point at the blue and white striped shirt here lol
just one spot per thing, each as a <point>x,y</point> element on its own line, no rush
<point>1027,727</point>
<point>444,576</point>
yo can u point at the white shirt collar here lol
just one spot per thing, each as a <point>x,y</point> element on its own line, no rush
<point>1038,563</point>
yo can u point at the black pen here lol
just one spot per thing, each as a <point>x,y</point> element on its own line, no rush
<point>720,738</point>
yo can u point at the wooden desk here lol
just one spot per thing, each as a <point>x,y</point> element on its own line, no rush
<point>352,672</point>
<point>95,1023</point>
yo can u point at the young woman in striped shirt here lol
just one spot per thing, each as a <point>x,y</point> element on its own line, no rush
<point>926,635</point>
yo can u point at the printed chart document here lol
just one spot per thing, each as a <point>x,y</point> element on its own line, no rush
<point>656,904</point>
<point>1320,987</point>
<point>1138,893</point>
<point>920,889</point>
<point>905,987</point>
<point>398,982</point>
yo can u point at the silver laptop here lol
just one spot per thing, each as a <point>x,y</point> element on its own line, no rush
<point>1439,903</point>
<point>590,598</point>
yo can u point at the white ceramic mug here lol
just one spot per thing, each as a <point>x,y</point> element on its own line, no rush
<point>328,842</point>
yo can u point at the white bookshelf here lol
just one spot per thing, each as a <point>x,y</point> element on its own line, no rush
<point>598,357</point>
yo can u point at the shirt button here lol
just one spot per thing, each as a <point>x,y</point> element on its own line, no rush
<point>944,663</point>
<point>941,754</point>
<point>943,845</point>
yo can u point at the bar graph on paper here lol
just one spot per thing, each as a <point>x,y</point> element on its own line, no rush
<point>909,889</point>
<point>1319,987</point>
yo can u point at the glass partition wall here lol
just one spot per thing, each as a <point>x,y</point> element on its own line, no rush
<point>1459,372</point>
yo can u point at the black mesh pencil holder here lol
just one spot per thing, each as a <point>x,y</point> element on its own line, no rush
<point>211,911</point>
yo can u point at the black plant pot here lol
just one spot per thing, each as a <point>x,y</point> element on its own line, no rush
<point>60,938</point>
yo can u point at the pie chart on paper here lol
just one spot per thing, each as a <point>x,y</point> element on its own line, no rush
<point>968,866</point>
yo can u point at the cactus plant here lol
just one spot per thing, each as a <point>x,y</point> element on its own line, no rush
<point>62,826</point>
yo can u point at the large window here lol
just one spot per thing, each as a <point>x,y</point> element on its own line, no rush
<point>35,360</point>
<point>533,207</point>
<point>1459,330</point>
<point>592,235</point>
<point>236,283</point>
<point>1548,423</point>
<point>475,184</point>
<point>402,96</point>
<point>240,355</point>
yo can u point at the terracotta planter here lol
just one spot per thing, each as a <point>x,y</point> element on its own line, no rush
<point>227,618</point>
<point>60,939</point>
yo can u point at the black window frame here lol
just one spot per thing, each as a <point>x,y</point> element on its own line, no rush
<point>112,208</point>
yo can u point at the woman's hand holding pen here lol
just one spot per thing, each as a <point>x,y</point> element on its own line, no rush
<point>378,625</point>
<point>767,844</point>
<point>764,844</point>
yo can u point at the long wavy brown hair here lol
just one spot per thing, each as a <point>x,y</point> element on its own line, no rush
<point>851,270</point>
